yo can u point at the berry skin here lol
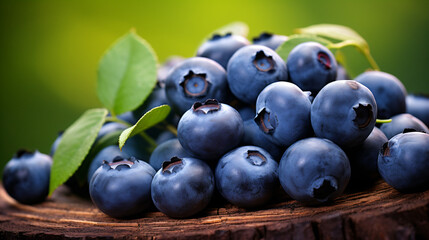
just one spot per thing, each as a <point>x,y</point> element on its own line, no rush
<point>208,130</point>
<point>182,187</point>
<point>270,40</point>
<point>344,112</point>
<point>122,188</point>
<point>247,176</point>
<point>418,106</point>
<point>196,79</point>
<point>165,151</point>
<point>314,171</point>
<point>403,162</point>
<point>26,176</point>
<point>311,66</point>
<point>220,48</point>
<point>106,154</point>
<point>283,113</point>
<point>251,69</point>
<point>363,158</point>
<point>342,73</point>
<point>401,122</point>
<point>255,137</point>
<point>165,69</point>
<point>388,91</point>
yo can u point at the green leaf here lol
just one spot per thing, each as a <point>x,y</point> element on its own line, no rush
<point>75,145</point>
<point>235,28</point>
<point>284,49</point>
<point>337,33</point>
<point>149,119</point>
<point>126,74</point>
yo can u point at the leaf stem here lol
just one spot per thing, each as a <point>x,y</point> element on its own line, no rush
<point>170,128</point>
<point>115,119</point>
<point>371,60</point>
<point>148,139</point>
<point>383,120</point>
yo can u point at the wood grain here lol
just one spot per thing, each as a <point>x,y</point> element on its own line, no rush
<point>377,213</point>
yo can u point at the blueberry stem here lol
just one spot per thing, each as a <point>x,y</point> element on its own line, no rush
<point>115,119</point>
<point>383,120</point>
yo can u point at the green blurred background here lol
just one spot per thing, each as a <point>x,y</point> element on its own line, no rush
<point>50,49</point>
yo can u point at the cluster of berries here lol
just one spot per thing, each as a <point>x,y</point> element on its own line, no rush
<point>246,121</point>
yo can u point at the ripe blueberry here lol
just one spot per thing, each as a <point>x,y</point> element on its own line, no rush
<point>400,122</point>
<point>418,106</point>
<point>270,40</point>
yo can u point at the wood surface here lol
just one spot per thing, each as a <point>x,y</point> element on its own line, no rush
<point>379,212</point>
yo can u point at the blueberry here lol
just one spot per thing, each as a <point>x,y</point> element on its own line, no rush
<point>247,176</point>
<point>403,162</point>
<point>164,136</point>
<point>208,130</point>
<point>196,79</point>
<point>254,136</point>
<point>418,106</point>
<point>251,69</point>
<point>311,66</point>
<point>344,112</point>
<point>106,154</point>
<point>314,171</point>
<point>283,113</point>
<point>221,47</point>
<point>165,151</point>
<point>246,112</point>
<point>270,40</point>
<point>401,122</point>
<point>122,188</point>
<point>182,187</point>
<point>388,92</point>
<point>26,176</point>
<point>363,158</point>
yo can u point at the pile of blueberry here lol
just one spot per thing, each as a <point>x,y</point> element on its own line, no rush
<point>246,121</point>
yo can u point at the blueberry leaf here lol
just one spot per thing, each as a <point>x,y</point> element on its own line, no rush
<point>126,74</point>
<point>149,119</point>
<point>284,49</point>
<point>75,145</point>
<point>341,36</point>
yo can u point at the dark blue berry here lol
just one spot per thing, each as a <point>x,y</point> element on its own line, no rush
<point>208,130</point>
<point>182,187</point>
<point>270,40</point>
<point>26,176</point>
<point>311,66</point>
<point>165,151</point>
<point>418,106</point>
<point>106,154</point>
<point>247,176</point>
<point>283,113</point>
<point>403,162</point>
<point>251,69</point>
<point>122,188</point>
<point>314,171</point>
<point>344,112</point>
<point>196,79</point>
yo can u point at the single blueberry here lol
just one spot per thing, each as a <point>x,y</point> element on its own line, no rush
<point>182,187</point>
<point>418,106</point>
<point>314,171</point>
<point>311,66</point>
<point>403,162</point>
<point>344,112</point>
<point>208,130</point>
<point>283,113</point>
<point>107,154</point>
<point>251,69</point>
<point>247,176</point>
<point>26,176</point>
<point>196,79</point>
<point>165,151</point>
<point>122,188</point>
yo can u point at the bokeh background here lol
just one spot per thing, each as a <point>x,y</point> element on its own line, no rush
<point>50,49</point>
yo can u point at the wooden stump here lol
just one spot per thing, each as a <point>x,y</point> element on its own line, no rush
<point>377,213</point>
